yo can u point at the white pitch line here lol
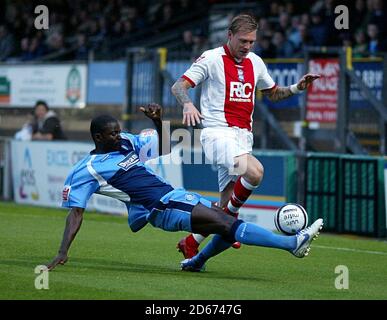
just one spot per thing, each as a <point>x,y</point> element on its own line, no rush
<point>353,250</point>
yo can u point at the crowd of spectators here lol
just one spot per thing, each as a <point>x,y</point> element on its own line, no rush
<point>285,26</point>
<point>76,26</point>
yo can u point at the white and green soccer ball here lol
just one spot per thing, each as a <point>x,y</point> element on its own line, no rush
<point>290,218</point>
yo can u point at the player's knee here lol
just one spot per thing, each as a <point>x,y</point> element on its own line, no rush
<point>223,223</point>
<point>255,174</point>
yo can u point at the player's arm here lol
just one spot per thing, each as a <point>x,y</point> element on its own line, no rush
<point>73,223</point>
<point>280,93</point>
<point>191,115</point>
<point>155,112</point>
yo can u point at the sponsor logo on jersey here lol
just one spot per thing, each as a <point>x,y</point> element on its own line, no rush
<point>240,92</point>
<point>148,132</point>
<point>65,193</point>
<point>129,161</point>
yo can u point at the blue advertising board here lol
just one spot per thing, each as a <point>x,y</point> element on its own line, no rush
<point>372,75</point>
<point>107,83</point>
<point>285,74</point>
<point>142,82</point>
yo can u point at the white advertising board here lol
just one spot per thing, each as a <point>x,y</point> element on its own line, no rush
<point>39,170</point>
<point>59,85</point>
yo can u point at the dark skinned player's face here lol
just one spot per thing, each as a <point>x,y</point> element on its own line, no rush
<point>110,140</point>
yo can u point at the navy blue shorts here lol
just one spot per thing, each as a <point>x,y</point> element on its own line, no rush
<point>173,212</point>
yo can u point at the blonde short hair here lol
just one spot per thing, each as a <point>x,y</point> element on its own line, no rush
<point>243,22</point>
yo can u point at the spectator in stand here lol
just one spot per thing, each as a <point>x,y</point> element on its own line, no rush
<point>346,39</point>
<point>318,31</point>
<point>375,44</point>
<point>283,47</point>
<point>200,44</point>
<point>294,36</point>
<point>378,17</point>
<point>283,23</point>
<point>46,124</point>
<point>82,50</point>
<point>305,19</point>
<point>32,48</point>
<point>304,37</point>
<point>117,32</point>
<point>265,48</point>
<point>265,28</point>
<point>187,45</point>
<point>357,14</point>
<point>6,43</point>
<point>25,49</point>
<point>360,48</point>
<point>56,45</point>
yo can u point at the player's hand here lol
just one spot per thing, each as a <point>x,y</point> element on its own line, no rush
<point>191,115</point>
<point>61,258</point>
<point>153,111</point>
<point>306,80</point>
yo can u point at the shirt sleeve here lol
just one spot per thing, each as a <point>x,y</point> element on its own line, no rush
<point>146,144</point>
<point>199,70</point>
<point>265,81</point>
<point>78,188</point>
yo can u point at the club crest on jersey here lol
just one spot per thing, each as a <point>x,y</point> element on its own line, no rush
<point>129,161</point>
<point>241,76</point>
<point>189,197</point>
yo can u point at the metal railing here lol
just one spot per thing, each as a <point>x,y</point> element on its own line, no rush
<point>344,136</point>
<point>5,169</point>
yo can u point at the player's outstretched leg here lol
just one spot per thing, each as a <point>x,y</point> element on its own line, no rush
<point>250,234</point>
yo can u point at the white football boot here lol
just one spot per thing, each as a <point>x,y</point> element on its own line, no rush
<point>305,238</point>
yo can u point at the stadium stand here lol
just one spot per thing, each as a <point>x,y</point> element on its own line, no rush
<point>104,30</point>
<point>76,27</point>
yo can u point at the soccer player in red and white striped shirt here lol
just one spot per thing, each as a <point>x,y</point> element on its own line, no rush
<point>230,76</point>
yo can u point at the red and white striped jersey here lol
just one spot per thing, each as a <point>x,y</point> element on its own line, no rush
<point>228,89</point>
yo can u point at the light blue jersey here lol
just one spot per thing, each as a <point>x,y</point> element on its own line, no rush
<point>124,176</point>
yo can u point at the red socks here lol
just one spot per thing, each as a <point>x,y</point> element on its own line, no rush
<point>242,191</point>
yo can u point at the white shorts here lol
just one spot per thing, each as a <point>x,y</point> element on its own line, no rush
<point>221,145</point>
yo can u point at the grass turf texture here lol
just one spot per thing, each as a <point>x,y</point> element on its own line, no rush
<point>108,261</point>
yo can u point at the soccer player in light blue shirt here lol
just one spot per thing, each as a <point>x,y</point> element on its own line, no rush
<point>116,168</point>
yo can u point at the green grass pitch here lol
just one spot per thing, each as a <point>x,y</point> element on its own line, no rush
<point>108,261</point>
